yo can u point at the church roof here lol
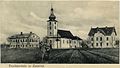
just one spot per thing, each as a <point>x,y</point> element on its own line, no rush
<point>104,30</point>
<point>76,38</point>
<point>65,34</point>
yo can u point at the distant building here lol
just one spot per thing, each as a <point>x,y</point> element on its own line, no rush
<point>60,38</point>
<point>24,40</point>
<point>104,37</point>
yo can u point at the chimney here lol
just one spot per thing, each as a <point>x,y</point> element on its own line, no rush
<point>30,32</point>
<point>106,27</point>
<point>21,33</point>
<point>97,28</point>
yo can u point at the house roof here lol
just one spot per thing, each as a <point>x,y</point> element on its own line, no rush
<point>22,35</point>
<point>65,34</point>
<point>104,30</point>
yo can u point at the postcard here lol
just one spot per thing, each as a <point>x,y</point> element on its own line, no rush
<point>65,34</point>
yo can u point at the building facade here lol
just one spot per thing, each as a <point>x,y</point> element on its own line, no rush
<point>57,38</point>
<point>104,37</point>
<point>24,40</point>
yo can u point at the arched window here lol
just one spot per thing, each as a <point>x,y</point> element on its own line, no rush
<point>50,23</point>
<point>50,33</point>
<point>63,41</point>
<point>55,27</point>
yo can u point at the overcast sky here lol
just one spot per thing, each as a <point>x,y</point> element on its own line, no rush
<point>76,16</point>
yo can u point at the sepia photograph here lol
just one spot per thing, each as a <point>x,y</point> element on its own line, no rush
<point>59,32</point>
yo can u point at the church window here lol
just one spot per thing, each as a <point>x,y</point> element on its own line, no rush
<point>67,41</point>
<point>70,41</point>
<point>107,44</point>
<point>63,41</point>
<point>55,27</point>
<point>50,41</point>
<point>74,42</point>
<point>107,38</point>
<point>50,23</point>
<point>50,33</point>
<point>50,27</point>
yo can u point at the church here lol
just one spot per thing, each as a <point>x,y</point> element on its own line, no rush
<point>60,39</point>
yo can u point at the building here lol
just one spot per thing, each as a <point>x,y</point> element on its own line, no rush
<point>57,38</point>
<point>104,37</point>
<point>24,40</point>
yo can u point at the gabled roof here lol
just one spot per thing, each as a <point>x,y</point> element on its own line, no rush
<point>104,30</point>
<point>65,34</point>
<point>22,35</point>
<point>76,38</point>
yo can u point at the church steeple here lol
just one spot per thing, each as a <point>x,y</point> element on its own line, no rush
<point>52,24</point>
<point>52,17</point>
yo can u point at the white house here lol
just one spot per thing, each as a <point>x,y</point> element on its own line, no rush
<point>104,37</point>
<point>24,40</point>
<point>57,38</point>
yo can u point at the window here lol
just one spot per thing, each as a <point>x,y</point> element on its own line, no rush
<point>55,22</point>
<point>107,44</point>
<point>50,27</point>
<point>50,23</point>
<point>107,39</point>
<point>91,39</point>
<point>55,27</point>
<point>92,44</point>
<point>97,38</point>
<point>63,41</point>
<point>50,41</point>
<point>30,40</point>
<point>50,33</point>
<point>101,44</point>
<point>96,44</point>
<point>67,41</point>
<point>74,42</point>
<point>36,40</point>
<point>70,41</point>
<point>100,38</point>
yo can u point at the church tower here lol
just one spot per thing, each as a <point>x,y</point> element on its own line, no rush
<point>52,25</point>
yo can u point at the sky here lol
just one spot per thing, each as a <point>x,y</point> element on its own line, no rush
<point>76,16</point>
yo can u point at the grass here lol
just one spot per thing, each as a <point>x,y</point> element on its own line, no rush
<point>20,55</point>
<point>57,55</point>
